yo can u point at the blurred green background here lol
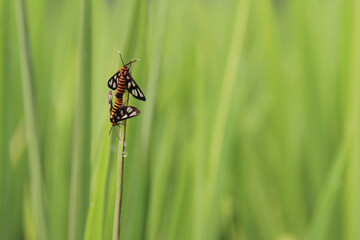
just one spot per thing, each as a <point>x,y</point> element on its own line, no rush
<point>251,128</point>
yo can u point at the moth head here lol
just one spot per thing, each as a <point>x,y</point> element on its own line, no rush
<point>112,120</point>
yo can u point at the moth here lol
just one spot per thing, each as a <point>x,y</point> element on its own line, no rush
<point>119,113</point>
<point>123,80</point>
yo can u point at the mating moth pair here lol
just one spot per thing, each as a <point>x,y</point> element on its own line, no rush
<point>122,81</point>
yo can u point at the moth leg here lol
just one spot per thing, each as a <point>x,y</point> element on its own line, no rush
<point>117,134</point>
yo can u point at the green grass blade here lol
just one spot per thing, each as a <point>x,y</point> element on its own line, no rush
<point>224,104</point>
<point>346,165</point>
<point>95,216</point>
<point>36,179</point>
<point>5,167</point>
<point>352,190</point>
<point>226,92</point>
<point>330,195</point>
<point>79,185</point>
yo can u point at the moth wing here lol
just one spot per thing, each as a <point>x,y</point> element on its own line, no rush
<point>126,112</point>
<point>133,88</point>
<point>113,81</point>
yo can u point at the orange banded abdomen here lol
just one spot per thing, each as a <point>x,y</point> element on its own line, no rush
<point>121,82</point>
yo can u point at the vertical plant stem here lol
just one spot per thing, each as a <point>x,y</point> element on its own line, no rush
<point>120,182</point>
<point>36,180</point>
<point>79,189</point>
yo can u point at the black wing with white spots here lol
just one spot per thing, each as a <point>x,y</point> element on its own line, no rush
<point>113,81</point>
<point>126,112</point>
<point>133,88</point>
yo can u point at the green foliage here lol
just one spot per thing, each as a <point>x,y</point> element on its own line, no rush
<point>251,128</point>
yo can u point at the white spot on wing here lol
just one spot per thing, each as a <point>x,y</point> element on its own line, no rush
<point>141,95</point>
<point>133,83</point>
<point>125,116</point>
<point>134,92</point>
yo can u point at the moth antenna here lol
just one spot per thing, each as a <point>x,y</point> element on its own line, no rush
<point>121,58</point>
<point>132,61</point>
